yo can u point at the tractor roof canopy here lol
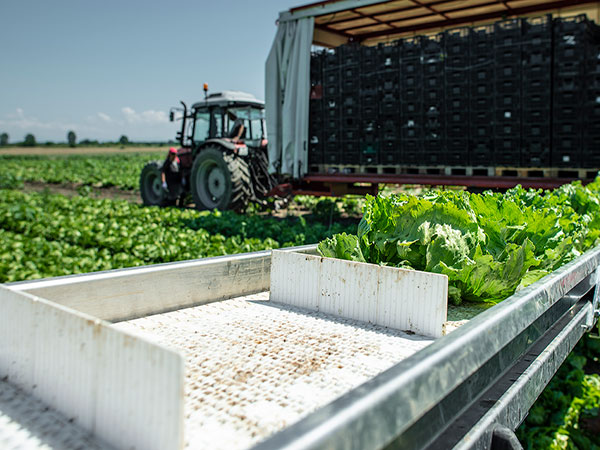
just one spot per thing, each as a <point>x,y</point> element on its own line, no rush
<point>230,98</point>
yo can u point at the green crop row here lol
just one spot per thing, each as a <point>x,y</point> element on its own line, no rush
<point>121,170</point>
<point>38,228</point>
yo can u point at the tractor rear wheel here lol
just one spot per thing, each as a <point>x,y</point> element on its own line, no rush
<point>151,184</point>
<point>220,180</point>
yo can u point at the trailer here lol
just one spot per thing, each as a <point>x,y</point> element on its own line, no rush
<point>346,156</point>
<point>239,352</point>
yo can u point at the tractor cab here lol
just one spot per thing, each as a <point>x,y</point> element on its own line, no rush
<point>223,156</point>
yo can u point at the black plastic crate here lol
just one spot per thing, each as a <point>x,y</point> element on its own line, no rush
<point>331,90</point>
<point>529,159</point>
<point>565,153</point>
<point>591,152</point>
<point>568,68</point>
<point>457,130</point>
<point>591,108</point>
<point>411,132</point>
<point>507,115</point>
<point>370,137</point>
<point>332,158</point>
<point>433,45</point>
<point>457,103</point>
<point>481,130</point>
<point>458,144</point>
<point>481,74</point>
<point>536,30</point>
<point>389,152</point>
<point>369,97</point>
<point>411,81</point>
<point>369,153</point>
<point>349,55</point>
<point>566,128</point>
<point>536,130</point>
<point>411,94</point>
<point>567,83</point>
<point>507,129</point>
<point>411,108</point>
<point>433,67</point>
<point>457,90</point>
<point>532,100</point>
<point>316,68</point>
<point>410,48</point>
<point>506,71</point>
<point>541,72</point>
<point>567,97</point>
<point>507,33</point>
<point>536,115</point>
<point>567,52</point>
<point>510,101</point>
<point>457,117</point>
<point>536,55</point>
<point>566,113</point>
<point>433,97</point>
<point>390,122</point>
<point>349,146</point>
<point>350,158</point>
<point>350,121</point>
<point>508,86</point>
<point>331,77</point>
<point>484,104</point>
<point>331,59</point>
<point>508,54</point>
<point>507,152</point>
<point>389,56</point>
<point>390,134</point>
<point>369,126</point>
<point>331,124</point>
<point>457,75</point>
<point>316,158</point>
<point>411,147</point>
<point>433,82</point>
<point>389,83</point>
<point>411,67</point>
<point>531,85</point>
<point>332,112</point>
<point>350,85</point>
<point>457,41</point>
<point>369,83</point>
<point>389,103</point>
<point>350,72</point>
<point>482,39</point>
<point>481,153</point>
<point>482,89</point>
<point>570,25</point>
<point>369,111</point>
<point>369,59</point>
<point>460,62</point>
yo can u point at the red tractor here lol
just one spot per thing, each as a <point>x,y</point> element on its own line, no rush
<point>223,157</point>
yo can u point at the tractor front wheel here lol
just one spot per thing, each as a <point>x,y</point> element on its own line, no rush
<point>220,180</point>
<point>151,184</point>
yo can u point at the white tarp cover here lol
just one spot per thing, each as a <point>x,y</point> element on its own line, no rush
<point>287,91</point>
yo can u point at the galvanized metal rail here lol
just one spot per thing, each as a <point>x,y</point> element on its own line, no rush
<point>457,390</point>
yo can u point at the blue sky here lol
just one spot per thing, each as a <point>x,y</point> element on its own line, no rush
<point>109,68</point>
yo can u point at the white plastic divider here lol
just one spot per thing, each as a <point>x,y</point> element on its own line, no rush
<point>120,387</point>
<point>388,296</point>
<point>125,294</point>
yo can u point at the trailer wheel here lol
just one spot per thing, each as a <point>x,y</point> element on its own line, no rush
<point>220,180</point>
<point>151,185</point>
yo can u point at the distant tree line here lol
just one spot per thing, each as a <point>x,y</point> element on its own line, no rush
<point>30,141</point>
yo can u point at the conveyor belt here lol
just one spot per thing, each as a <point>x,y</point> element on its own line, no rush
<point>253,367</point>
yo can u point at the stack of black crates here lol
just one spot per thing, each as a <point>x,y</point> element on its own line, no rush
<point>536,91</point>
<point>516,93</point>
<point>457,95</point>
<point>481,111</point>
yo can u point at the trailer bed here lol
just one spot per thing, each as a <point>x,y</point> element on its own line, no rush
<point>254,367</point>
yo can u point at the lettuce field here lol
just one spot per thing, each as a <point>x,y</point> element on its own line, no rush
<point>489,245</point>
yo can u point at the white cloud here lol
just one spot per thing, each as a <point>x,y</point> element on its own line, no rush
<point>104,117</point>
<point>149,117</point>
